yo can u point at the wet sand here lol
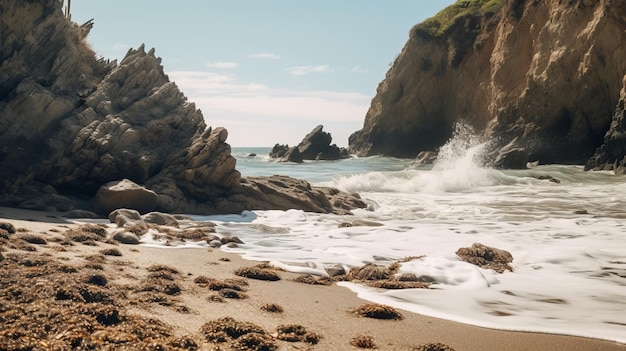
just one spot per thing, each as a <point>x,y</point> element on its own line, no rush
<point>64,286</point>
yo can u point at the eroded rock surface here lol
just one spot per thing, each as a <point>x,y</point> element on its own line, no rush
<point>544,74</point>
<point>70,123</point>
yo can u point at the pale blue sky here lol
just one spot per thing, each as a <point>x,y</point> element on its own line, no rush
<point>267,70</point>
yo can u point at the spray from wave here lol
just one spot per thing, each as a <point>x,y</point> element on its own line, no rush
<point>459,167</point>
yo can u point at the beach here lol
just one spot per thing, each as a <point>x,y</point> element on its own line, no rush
<point>169,292</point>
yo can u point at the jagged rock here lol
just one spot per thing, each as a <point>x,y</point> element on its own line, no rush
<point>425,158</point>
<point>546,72</point>
<point>284,153</point>
<point>314,146</point>
<point>513,158</point>
<point>72,122</point>
<point>612,154</point>
<point>486,257</point>
<point>125,194</point>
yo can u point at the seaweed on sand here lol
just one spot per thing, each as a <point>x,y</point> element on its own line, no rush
<point>377,311</point>
<point>259,272</point>
<point>363,342</point>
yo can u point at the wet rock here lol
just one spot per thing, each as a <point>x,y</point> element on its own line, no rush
<point>548,178</point>
<point>486,257</point>
<point>425,158</point>
<point>215,244</point>
<point>125,237</point>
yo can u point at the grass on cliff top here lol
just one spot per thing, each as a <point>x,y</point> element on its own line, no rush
<point>444,19</point>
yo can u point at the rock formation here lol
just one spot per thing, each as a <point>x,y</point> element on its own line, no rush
<point>315,146</point>
<point>612,154</point>
<point>540,79</point>
<point>70,123</point>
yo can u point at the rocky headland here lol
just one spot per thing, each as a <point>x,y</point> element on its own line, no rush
<point>71,124</point>
<point>541,80</point>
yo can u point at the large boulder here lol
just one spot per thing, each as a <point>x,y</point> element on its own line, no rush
<point>125,194</point>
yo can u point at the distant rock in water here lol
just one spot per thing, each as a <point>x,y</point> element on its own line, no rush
<point>71,123</point>
<point>541,78</point>
<point>315,146</point>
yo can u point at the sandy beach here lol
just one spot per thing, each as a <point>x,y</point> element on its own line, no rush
<point>60,290</point>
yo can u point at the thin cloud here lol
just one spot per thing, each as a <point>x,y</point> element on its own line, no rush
<point>266,55</point>
<point>304,70</point>
<point>359,69</point>
<point>120,47</point>
<point>221,64</point>
<point>219,94</point>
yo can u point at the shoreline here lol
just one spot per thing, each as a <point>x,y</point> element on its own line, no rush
<point>323,310</point>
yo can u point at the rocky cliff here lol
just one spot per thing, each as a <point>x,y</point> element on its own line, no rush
<point>70,123</point>
<point>538,78</point>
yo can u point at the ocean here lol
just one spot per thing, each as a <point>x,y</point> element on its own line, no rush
<point>567,239</point>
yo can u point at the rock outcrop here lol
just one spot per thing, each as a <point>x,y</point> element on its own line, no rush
<point>70,122</point>
<point>612,154</point>
<point>314,146</point>
<point>541,78</point>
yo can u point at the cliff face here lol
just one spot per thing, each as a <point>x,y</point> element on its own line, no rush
<point>542,77</point>
<point>70,123</point>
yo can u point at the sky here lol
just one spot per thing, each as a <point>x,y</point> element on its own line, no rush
<point>269,71</point>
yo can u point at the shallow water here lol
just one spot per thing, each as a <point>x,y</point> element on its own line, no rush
<point>569,266</point>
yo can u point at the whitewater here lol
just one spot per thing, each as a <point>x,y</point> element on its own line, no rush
<point>567,239</point>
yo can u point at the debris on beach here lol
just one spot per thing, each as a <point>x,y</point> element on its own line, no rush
<point>363,342</point>
<point>377,311</point>
<point>259,272</point>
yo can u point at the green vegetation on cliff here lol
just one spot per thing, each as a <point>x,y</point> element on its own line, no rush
<point>439,24</point>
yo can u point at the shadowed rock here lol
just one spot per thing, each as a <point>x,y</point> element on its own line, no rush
<point>546,74</point>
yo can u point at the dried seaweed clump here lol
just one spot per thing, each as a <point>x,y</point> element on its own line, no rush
<point>162,268</point>
<point>272,308</point>
<point>371,271</point>
<point>377,311</point>
<point>398,284</point>
<point>69,311</point>
<point>243,335</point>
<point>217,285</point>
<point>86,233</point>
<point>363,342</point>
<point>296,333</point>
<point>111,252</point>
<point>486,257</point>
<point>259,272</point>
<point>310,279</point>
<point>32,239</point>
<point>433,347</point>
